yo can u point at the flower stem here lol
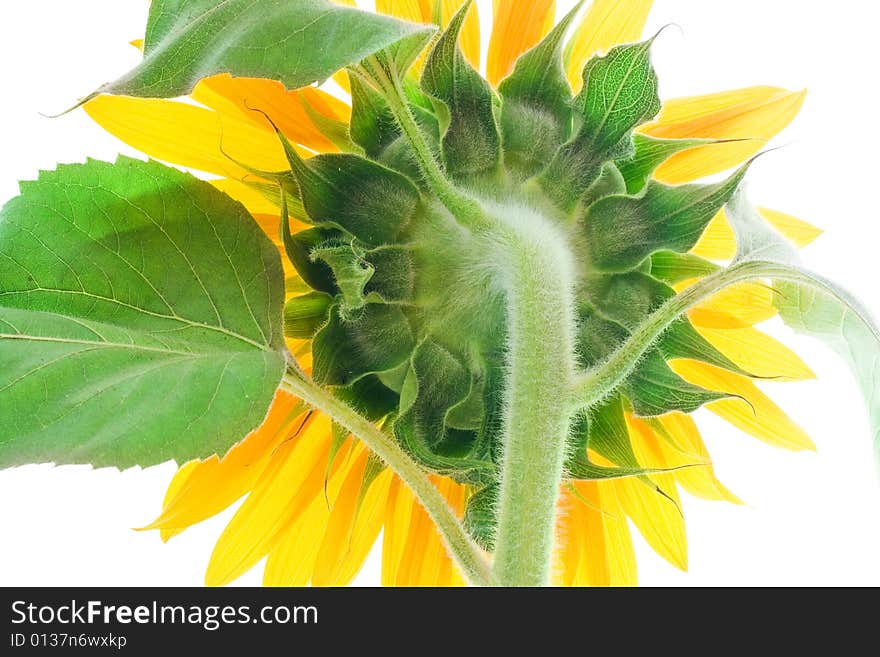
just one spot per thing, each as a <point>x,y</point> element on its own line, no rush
<point>595,385</point>
<point>464,551</point>
<point>540,361</point>
<point>462,207</point>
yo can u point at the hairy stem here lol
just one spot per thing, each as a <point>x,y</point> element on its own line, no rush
<point>462,207</point>
<point>465,552</point>
<point>598,383</point>
<point>540,374</point>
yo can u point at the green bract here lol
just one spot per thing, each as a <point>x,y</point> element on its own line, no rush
<point>486,275</point>
<point>419,309</point>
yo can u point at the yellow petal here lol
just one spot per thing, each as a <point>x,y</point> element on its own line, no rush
<point>341,78</point>
<point>688,450</point>
<point>518,26</point>
<point>177,483</point>
<point>753,412</point>
<point>398,512</point>
<point>239,97</point>
<point>755,114</point>
<point>657,517</point>
<point>425,561</point>
<point>415,548</point>
<point>292,479</point>
<point>606,552</point>
<point>470,31</point>
<point>608,23</point>
<point>417,11</point>
<point>719,243</point>
<point>187,135</point>
<point>567,547</point>
<point>758,354</point>
<point>738,306</point>
<point>353,528</point>
<point>201,489</point>
<point>799,232</point>
<point>292,559</point>
<point>252,199</point>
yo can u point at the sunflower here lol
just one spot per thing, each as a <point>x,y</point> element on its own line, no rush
<point>315,500</point>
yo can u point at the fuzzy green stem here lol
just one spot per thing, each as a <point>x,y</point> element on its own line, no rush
<point>540,374</point>
<point>464,551</point>
<point>594,386</point>
<point>462,207</point>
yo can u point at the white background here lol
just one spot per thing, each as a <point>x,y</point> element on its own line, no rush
<point>811,519</point>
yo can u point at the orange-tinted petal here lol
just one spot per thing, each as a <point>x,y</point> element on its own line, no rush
<point>417,11</point>
<point>250,197</point>
<point>518,26</point>
<point>755,114</point>
<point>187,135</point>
<point>239,97</point>
<point>750,409</point>
<point>608,23</point>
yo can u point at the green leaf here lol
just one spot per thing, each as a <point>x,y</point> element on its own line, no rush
<point>647,156</point>
<point>367,200</point>
<point>372,126</point>
<point>140,318</point>
<point>815,306</point>
<point>337,132</point>
<point>394,275</point>
<point>536,108</point>
<point>298,249</point>
<point>672,268</point>
<point>480,517</point>
<point>372,470</point>
<point>609,183</point>
<point>305,314</point>
<point>629,298</point>
<point>622,231</point>
<point>297,42</point>
<point>605,432</point>
<point>619,94</point>
<point>436,384</point>
<point>471,143</point>
<point>377,339</point>
<point>682,340</point>
<point>654,389</point>
<point>351,272</point>
<point>369,397</point>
